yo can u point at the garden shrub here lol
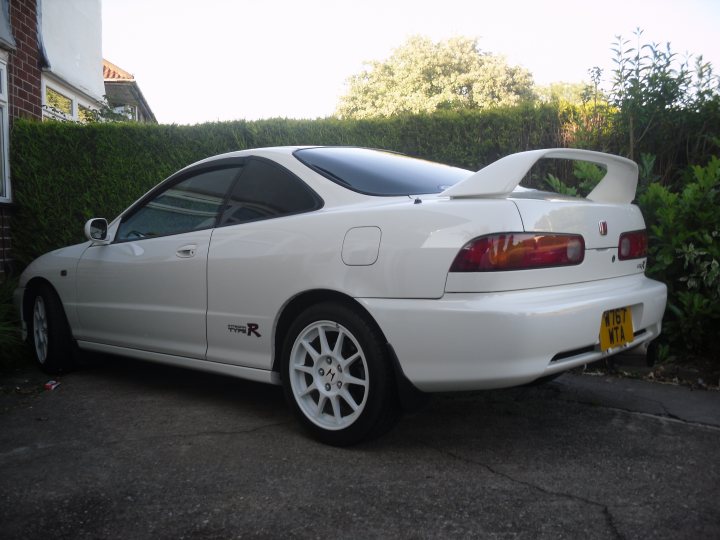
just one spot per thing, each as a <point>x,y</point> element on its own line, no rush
<point>684,230</point>
<point>12,352</point>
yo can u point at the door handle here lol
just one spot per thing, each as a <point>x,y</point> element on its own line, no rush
<point>186,252</point>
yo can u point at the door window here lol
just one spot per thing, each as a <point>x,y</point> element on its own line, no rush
<point>191,204</point>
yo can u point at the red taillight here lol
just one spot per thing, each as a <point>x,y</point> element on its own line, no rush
<point>519,251</point>
<point>632,245</point>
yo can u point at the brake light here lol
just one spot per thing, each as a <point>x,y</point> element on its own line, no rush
<point>633,245</point>
<point>519,251</point>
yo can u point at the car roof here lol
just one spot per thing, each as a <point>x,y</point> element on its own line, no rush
<point>267,152</point>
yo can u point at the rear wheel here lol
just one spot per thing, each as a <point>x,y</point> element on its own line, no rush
<point>337,375</point>
<point>50,336</point>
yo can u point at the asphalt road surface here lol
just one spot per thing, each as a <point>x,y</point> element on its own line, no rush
<point>132,450</point>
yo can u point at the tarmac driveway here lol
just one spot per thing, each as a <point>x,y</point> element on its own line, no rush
<point>132,450</point>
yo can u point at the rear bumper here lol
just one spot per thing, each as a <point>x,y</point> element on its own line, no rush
<point>493,340</point>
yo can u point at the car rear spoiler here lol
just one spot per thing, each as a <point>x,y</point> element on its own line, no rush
<point>501,177</point>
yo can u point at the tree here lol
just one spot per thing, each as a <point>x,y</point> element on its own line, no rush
<point>561,92</point>
<point>654,91</point>
<point>424,76</point>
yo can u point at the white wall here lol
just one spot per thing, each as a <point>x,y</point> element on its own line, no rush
<point>72,36</point>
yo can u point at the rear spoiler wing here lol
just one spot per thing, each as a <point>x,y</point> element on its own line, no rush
<point>501,177</point>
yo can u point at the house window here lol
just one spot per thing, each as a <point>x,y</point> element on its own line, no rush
<point>126,111</point>
<point>4,133</point>
<point>86,114</point>
<point>58,103</point>
<point>6,36</point>
<point>63,102</point>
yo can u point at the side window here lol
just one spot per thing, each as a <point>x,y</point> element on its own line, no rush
<point>189,205</point>
<point>265,191</point>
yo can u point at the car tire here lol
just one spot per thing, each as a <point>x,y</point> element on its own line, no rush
<point>337,375</point>
<point>49,332</point>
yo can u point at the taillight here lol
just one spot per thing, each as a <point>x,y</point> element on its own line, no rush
<point>632,245</point>
<point>519,251</point>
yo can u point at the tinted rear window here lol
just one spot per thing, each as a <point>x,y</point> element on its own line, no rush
<point>375,172</point>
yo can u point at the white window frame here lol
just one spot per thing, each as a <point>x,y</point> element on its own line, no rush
<point>5,187</point>
<point>76,100</point>
<point>55,114</point>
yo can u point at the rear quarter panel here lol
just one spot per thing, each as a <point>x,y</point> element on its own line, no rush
<point>254,269</point>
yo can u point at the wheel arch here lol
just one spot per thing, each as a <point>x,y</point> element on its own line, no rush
<point>411,398</point>
<point>33,285</point>
<point>300,303</point>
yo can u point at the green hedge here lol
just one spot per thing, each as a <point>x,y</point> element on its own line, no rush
<point>64,173</point>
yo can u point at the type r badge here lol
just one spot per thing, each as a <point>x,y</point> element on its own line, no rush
<point>248,329</point>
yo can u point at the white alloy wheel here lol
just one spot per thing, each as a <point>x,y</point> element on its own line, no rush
<point>329,375</point>
<point>40,329</point>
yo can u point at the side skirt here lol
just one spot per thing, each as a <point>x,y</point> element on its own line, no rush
<point>252,374</point>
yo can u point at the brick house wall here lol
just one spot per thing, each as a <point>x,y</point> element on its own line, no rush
<point>25,100</point>
<point>24,96</point>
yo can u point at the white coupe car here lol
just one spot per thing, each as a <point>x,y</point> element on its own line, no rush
<point>358,279</point>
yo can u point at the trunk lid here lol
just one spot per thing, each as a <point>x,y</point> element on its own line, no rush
<point>550,212</point>
<point>600,225</point>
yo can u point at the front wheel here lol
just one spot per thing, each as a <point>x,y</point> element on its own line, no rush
<point>337,375</point>
<point>50,336</point>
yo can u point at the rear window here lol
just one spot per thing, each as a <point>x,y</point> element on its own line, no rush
<point>375,172</point>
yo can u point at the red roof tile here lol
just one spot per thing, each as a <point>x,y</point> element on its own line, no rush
<point>114,73</point>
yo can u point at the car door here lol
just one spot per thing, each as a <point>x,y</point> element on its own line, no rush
<point>250,265</point>
<point>147,290</point>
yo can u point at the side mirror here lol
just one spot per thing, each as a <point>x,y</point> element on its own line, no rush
<point>96,231</point>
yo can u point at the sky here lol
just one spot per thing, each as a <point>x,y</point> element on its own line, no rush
<point>218,60</point>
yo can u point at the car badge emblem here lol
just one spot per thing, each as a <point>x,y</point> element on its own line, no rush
<point>603,228</point>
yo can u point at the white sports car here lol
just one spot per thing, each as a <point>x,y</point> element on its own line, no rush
<point>358,279</point>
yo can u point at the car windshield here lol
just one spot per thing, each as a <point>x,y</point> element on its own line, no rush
<point>376,172</point>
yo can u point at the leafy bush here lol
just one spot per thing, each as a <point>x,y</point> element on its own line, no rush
<point>586,176</point>
<point>8,328</point>
<point>12,350</point>
<point>684,229</point>
<point>665,104</point>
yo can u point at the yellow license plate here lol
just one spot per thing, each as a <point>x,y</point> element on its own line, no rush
<point>616,328</point>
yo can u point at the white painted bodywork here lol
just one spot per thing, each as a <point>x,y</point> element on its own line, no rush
<point>119,303</point>
<point>391,255</point>
<point>468,341</point>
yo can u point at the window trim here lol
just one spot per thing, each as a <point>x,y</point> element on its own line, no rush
<point>193,170</point>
